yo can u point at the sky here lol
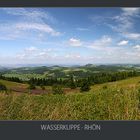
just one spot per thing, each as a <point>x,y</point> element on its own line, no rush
<point>69,36</point>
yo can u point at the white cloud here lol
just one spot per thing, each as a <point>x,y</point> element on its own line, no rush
<point>75,42</point>
<point>99,20</point>
<point>136,47</point>
<point>125,23</point>
<point>123,42</point>
<point>31,49</point>
<point>30,14</point>
<point>73,56</point>
<point>130,11</point>
<point>134,36</point>
<point>27,21</point>
<point>16,11</point>
<point>101,43</point>
<point>35,53</point>
<point>29,52</point>
<point>106,54</point>
<point>37,26</point>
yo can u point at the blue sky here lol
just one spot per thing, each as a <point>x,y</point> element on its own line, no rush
<point>69,35</point>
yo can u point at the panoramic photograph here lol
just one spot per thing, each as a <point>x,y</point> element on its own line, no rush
<point>70,63</point>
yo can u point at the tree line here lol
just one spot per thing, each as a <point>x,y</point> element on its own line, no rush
<point>73,82</point>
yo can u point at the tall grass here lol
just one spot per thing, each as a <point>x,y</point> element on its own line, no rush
<point>105,104</point>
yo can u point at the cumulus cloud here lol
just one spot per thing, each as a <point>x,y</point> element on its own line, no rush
<point>134,36</point>
<point>136,47</point>
<point>35,53</point>
<point>31,49</point>
<point>101,43</point>
<point>123,42</point>
<point>75,42</point>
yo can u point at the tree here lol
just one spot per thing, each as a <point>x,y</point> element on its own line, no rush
<point>72,83</point>
<point>31,86</point>
<point>57,89</point>
<point>42,87</point>
<point>2,87</point>
<point>85,86</point>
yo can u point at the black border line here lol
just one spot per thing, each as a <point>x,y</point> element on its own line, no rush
<point>69,3</point>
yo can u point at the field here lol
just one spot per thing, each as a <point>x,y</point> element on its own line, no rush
<point>20,88</point>
<point>109,101</point>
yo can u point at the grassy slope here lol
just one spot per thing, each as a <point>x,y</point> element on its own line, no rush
<point>119,101</point>
<point>10,84</point>
<point>126,84</point>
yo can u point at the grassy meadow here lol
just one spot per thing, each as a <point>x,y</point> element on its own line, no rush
<point>110,101</point>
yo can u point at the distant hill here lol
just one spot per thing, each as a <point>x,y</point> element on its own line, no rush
<point>3,69</point>
<point>65,71</point>
<point>90,65</point>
